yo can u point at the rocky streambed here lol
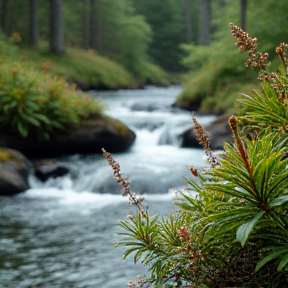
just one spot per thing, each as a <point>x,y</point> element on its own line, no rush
<point>86,138</point>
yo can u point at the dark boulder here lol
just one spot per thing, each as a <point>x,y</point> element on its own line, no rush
<point>219,132</point>
<point>47,169</point>
<point>14,171</point>
<point>89,137</point>
<point>189,105</point>
<point>189,139</point>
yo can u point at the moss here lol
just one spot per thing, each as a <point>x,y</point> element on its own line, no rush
<point>119,127</point>
<point>8,155</point>
<point>100,121</point>
<point>5,155</point>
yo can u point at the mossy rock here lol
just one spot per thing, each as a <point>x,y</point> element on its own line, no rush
<point>14,171</point>
<point>88,137</point>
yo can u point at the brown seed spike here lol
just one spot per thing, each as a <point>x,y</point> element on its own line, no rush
<point>239,143</point>
<point>242,38</point>
<point>201,134</point>
<point>203,139</point>
<point>123,181</point>
<point>233,123</point>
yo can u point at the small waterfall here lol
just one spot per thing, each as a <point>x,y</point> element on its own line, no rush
<point>155,163</point>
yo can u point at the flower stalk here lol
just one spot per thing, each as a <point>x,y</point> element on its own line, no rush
<point>203,139</point>
<point>123,181</point>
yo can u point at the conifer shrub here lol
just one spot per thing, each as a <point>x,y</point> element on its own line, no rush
<point>231,228</point>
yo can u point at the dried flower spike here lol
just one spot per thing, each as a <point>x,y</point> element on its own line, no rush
<point>184,234</point>
<point>242,38</point>
<point>203,139</point>
<point>123,181</point>
<point>246,43</point>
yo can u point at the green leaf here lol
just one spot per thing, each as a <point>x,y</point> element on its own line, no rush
<point>33,121</point>
<point>271,256</point>
<point>137,256</point>
<point>42,118</point>
<point>279,201</point>
<point>283,262</point>
<point>22,129</point>
<point>245,229</point>
<point>129,251</point>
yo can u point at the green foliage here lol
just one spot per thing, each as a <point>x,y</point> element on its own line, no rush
<point>122,36</point>
<point>232,225</point>
<point>167,24</point>
<point>264,109</point>
<point>255,194</point>
<point>33,103</point>
<point>85,68</point>
<point>217,74</point>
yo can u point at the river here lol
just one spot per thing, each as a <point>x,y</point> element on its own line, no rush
<point>61,233</point>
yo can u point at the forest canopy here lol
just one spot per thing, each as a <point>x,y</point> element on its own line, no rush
<point>149,37</point>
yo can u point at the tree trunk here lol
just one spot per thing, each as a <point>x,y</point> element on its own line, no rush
<point>95,34</point>
<point>188,20</point>
<point>56,27</point>
<point>243,17</point>
<point>205,22</point>
<point>85,24</point>
<point>34,28</point>
<point>4,16</point>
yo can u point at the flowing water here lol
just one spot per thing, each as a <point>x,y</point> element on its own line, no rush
<point>61,233</point>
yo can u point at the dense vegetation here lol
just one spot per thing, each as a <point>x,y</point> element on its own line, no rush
<point>100,43</point>
<point>231,229</point>
<point>143,38</point>
<point>217,74</point>
<point>34,102</point>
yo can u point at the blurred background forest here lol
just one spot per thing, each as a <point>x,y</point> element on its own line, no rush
<point>130,43</point>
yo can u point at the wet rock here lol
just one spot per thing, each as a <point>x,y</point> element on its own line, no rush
<point>189,139</point>
<point>14,171</point>
<point>46,170</point>
<point>219,132</point>
<point>89,137</point>
<point>189,105</point>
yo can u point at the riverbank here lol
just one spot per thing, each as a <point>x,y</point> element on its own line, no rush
<point>86,68</point>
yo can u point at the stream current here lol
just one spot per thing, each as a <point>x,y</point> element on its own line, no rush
<point>61,233</point>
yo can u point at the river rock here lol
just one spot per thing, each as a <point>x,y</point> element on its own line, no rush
<point>189,139</point>
<point>189,105</point>
<point>219,132</point>
<point>89,137</point>
<point>45,170</point>
<point>14,171</point>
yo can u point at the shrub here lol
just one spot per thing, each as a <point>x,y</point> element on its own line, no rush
<point>235,229</point>
<point>33,103</point>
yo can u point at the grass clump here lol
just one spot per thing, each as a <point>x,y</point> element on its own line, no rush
<point>83,67</point>
<point>231,228</point>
